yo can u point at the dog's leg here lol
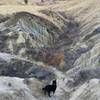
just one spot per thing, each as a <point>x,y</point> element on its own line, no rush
<point>49,94</point>
<point>53,92</point>
<point>45,92</point>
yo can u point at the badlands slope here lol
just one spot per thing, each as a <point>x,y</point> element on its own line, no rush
<point>41,43</point>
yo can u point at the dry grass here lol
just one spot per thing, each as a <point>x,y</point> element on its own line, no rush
<point>56,59</point>
<point>9,9</point>
<point>87,12</point>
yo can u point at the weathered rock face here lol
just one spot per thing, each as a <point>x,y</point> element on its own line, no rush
<point>62,44</point>
<point>87,91</point>
<point>30,45</point>
<point>35,38</point>
<point>13,66</point>
<point>14,89</point>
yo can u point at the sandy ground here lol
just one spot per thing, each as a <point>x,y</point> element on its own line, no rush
<point>12,7</point>
<point>9,9</point>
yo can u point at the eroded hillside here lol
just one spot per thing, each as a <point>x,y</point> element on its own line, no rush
<point>59,41</point>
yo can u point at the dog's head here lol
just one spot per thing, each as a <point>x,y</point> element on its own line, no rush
<point>54,82</point>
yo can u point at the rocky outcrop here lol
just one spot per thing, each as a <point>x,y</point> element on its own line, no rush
<point>14,89</point>
<point>35,38</point>
<point>11,65</point>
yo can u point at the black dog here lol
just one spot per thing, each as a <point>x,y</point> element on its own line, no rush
<point>50,88</point>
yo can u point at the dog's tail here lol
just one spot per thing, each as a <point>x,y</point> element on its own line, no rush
<point>43,88</point>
